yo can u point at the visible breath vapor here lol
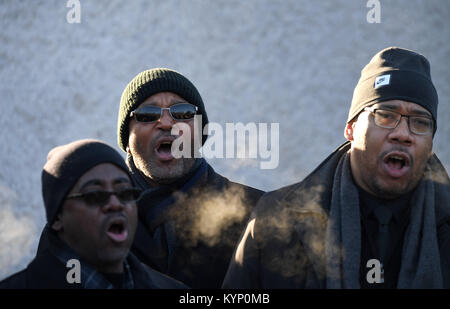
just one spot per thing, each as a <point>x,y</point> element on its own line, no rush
<point>294,230</point>
<point>15,232</point>
<point>211,216</point>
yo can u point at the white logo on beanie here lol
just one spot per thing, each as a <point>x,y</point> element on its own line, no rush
<point>382,80</point>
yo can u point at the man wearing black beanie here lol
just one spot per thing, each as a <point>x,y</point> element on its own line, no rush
<point>89,200</point>
<point>190,217</point>
<point>374,214</point>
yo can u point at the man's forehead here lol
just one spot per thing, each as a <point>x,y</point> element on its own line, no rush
<point>104,181</point>
<point>162,97</point>
<point>103,174</point>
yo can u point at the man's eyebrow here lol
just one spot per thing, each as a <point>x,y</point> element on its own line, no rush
<point>98,182</point>
<point>388,106</point>
<point>414,110</point>
<point>152,103</point>
<point>175,101</point>
<point>93,182</point>
<point>421,112</point>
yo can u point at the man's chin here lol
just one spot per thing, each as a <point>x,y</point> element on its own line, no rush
<point>167,174</point>
<point>165,181</point>
<point>391,191</point>
<point>114,255</point>
<point>170,171</point>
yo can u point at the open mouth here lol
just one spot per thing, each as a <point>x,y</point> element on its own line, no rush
<point>117,230</point>
<point>164,149</point>
<point>397,164</point>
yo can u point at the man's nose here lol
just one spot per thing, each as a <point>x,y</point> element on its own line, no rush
<point>401,134</point>
<point>113,204</point>
<point>166,121</point>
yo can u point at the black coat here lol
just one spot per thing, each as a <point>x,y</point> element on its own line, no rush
<point>189,233</point>
<point>283,244</point>
<point>47,272</point>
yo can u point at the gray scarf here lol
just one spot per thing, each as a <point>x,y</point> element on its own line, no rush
<point>420,266</point>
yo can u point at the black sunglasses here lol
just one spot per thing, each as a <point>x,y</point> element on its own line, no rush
<point>101,197</point>
<point>150,113</point>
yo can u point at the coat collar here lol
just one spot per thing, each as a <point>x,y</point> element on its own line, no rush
<point>313,194</point>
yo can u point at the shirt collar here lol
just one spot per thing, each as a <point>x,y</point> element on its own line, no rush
<point>399,206</point>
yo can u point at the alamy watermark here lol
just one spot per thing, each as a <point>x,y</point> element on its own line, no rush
<point>74,273</point>
<point>376,272</point>
<point>74,14</point>
<point>225,298</point>
<point>374,14</point>
<point>242,141</point>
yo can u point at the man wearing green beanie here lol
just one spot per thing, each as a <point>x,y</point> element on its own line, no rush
<point>376,212</point>
<point>190,217</point>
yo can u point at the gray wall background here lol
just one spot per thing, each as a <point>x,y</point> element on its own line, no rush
<point>294,62</point>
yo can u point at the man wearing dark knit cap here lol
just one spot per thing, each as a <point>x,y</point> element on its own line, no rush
<point>376,212</point>
<point>190,217</point>
<point>91,212</point>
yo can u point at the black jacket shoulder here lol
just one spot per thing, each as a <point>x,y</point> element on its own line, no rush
<point>44,272</point>
<point>15,281</point>
<point>307,196</point>
<point>148,278</point>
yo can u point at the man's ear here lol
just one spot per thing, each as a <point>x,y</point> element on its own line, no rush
<point>57,224</point>
<point>348,133</point>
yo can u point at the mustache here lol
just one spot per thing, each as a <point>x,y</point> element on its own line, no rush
<point>109,217</point>
<point>161,134</point>
<point>397,148</point>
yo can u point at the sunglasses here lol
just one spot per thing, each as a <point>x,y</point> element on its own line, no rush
<point>101,198</point>
<point>150,113</point>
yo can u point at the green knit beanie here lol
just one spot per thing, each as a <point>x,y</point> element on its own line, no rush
<point>148,83</point>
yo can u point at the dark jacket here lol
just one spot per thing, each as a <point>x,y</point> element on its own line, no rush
<point>47,271</point>
<point>189,230</point>
<point>283,244</point>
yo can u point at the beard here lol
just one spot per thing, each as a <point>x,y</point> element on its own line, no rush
<point>161,172</point>
<point>382,187</point>
<point>145,160</point>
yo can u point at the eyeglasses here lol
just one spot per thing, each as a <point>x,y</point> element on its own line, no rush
<point>150,113</point>
<point>101,198</point>
<point>419,125</point>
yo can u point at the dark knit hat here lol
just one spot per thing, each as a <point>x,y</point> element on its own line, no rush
<point>395,73</point>
<point>148,83</point>
<point>67,163</point>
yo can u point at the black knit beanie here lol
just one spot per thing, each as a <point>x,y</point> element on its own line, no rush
<point>66,164</point>
<point>148,83</point>
<point>395,73</point>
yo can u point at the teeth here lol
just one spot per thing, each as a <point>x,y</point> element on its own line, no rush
<point>397,158</point>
